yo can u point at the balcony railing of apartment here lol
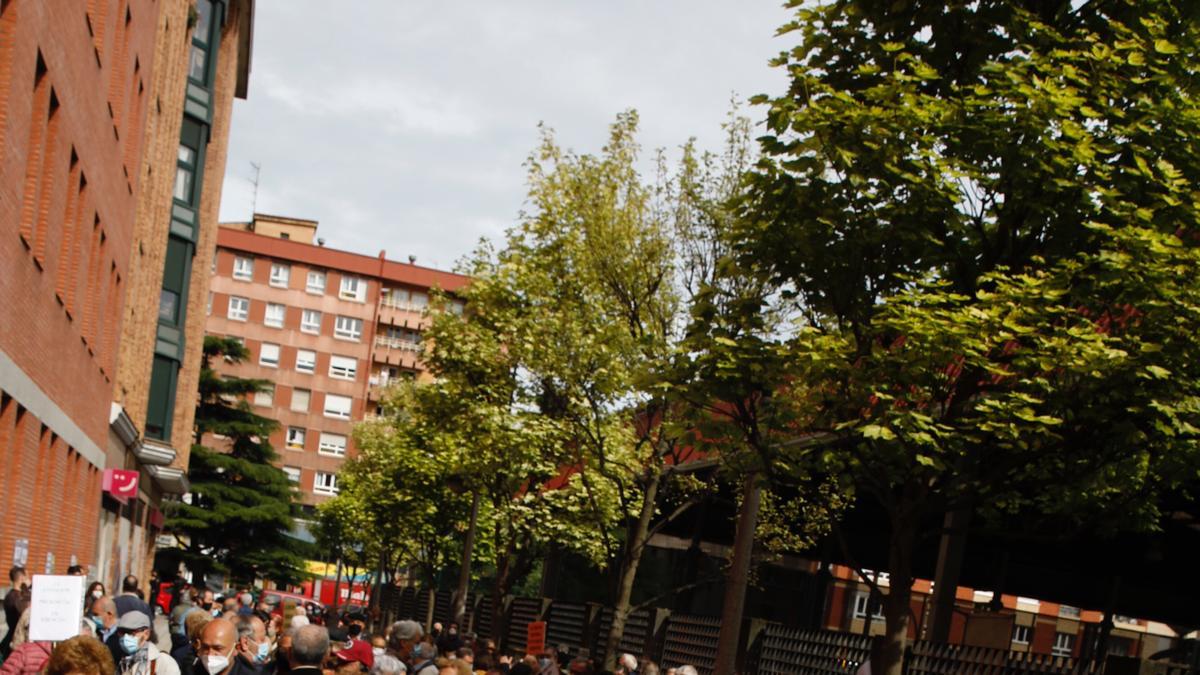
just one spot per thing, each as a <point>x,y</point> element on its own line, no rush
<point>397,343</point>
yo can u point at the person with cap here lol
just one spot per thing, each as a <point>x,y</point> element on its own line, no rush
<point>310,646</point>
<point>140,655</point>
<point>350,649</point>
<point>128,600</point>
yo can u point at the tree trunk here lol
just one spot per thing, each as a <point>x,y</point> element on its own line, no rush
<point>337,583</point>
<point>630,560</point>
<point>951,550</point>
<point>897,607</point>
<point>499,613</point>
<point>738,578</point>
<point>459,610</point>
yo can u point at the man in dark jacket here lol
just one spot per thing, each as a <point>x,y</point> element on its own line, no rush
<point>14,605</point>
<point>128,600</point>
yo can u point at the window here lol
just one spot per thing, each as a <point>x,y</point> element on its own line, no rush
<point>861,602</point>
<point>353,288</point>
<point>1064,644</point>
<point>268,355</point>
<point>208,308</point>
<point>419,301</point>
<point>343,367</point>
<point>316,282</point>
<point>310,321</point>
<point>185,172</point>
<point>325,484</point>
<point>332,444</point>
<point>243,268</point>
<point>348,328</point>
<point>280,274</point>
<point>274,315</point>
<point>295,438</point>
<point>1020,635</point>
<point>1068,611</point>
<point>337,406</point>
<point>239,308</point>
<point>300,399</point>
<point>306,361</point>
<point>293,473</point>
<point>264,398</point>
<point>457,307</point>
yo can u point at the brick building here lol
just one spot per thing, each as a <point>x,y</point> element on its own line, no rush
<point>98,101</point>
<point>330,328</point>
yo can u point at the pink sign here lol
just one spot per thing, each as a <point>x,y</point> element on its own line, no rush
<point>120,483</point>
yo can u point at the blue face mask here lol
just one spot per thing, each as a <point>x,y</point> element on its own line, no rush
<point>98,622</point>
<point>129,644</point>
<point>264,650</point>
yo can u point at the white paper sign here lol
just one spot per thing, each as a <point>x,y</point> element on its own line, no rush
<point>56,607</point>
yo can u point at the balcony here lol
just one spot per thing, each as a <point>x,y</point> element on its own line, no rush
<point>397,343</point>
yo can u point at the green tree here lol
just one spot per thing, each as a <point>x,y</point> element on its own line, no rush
<point>240,512</point>
<point>983,216</point>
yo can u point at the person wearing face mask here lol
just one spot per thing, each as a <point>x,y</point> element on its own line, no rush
<point>141,655</point>
<point>449,641</point>
<point>217,651</point>
<point>95,591</point>
<point>103,616</point>
<point>253,647</point>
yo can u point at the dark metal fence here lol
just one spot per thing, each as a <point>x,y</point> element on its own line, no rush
<point>673,639</point>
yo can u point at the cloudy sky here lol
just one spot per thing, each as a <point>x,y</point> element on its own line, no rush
<point>402,124</point>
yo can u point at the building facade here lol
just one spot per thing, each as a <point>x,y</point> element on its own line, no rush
<point>96,103</point>
<point>329,328</point>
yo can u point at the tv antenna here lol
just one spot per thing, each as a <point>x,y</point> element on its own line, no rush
<point>254,181</point>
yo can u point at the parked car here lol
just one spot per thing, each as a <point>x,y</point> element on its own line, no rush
<point>276,600</point>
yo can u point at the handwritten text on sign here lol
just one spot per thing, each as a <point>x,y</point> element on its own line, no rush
<point>56,607</point>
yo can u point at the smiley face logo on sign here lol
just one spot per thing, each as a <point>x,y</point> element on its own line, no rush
<point>121,483</point>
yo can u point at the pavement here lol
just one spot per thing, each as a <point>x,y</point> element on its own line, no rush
<point>162,632</point>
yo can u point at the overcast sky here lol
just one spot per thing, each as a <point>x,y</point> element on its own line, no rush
<point>402,124</point>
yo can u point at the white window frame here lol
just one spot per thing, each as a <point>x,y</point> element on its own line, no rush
<point>307,326</point>
<point>341,333</point>
<point>293,473</point>
<point>307,400</point>
<point>1021,634</point>
<point>332,445</point>
<point>315,288</point>
<point>263,359</point>
<point>305,365</point>
<point>1064,644</point>
<point>339,368</point>
<point>239,308</point>
<point>861,602</point>
<point>336,412</point>
<point>325,483</point>
<point>353,288</point>
<point>265,398</point>
<point>269,321</point>
<point>418,300</point>
<point>294,438</point>
<point>243,268</point>
<point>281,274</point>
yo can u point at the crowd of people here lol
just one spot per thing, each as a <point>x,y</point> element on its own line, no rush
<point>236,634</point>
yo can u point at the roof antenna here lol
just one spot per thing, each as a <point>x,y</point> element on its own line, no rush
<point>412,259</point>
<point>254,200</point>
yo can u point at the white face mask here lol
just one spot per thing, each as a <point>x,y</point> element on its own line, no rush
<point>97,594</point>
<point>377,651</point>
<point>217,663</point>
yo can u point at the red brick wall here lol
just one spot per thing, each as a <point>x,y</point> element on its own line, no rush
<point>57,504</point>
<point>72,83</point>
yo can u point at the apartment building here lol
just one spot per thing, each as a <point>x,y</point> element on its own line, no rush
<point>329,328</point>
<point>97,102</point>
